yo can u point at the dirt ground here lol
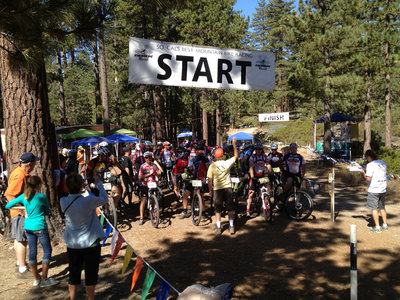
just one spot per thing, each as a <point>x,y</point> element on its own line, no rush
<point>281,260</point>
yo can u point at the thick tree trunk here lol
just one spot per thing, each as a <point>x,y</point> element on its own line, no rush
<point>61,96</point>
<point>103,83</point>
<point>96,74</point>
<point>204,116</point>
<point>367,114</point>
<point>28,127</point>
<point>388,112</point>
<point>116,81</point>
<point>218,126</point>
<point>280,109</point>
<point>158,109</point>
<point>327,110</point>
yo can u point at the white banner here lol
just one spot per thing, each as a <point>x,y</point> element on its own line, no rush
<point>278,117</point>
<point>161,63</point>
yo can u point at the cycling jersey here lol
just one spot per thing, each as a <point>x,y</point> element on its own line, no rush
<point>157,153</point>
<point>97,166</point>
<point>192,153</point>
<point>180,166</point>
<point>147,169</point>
<point>275,159</point>
<point>166,157</point>
<point>200,164</point>
<point>259,164</point>
<point>293,163</point>
<point>246,166</point>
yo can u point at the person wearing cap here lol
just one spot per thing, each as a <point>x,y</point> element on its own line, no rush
<point>295,167</point>
<point>220,186</point>
<point>147,173</point>
<point>16,185</point>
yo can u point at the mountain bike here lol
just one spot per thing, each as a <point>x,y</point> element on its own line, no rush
<point>262,199</point>
<point>196,206</point>
<point>235,189</point>
<point>154,197</point>
<point>277,189</point>
<point>298,204</point>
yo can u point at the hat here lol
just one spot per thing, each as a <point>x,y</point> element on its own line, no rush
<point>81,148</point>
<point>219,153</point>
<point>28,157</point>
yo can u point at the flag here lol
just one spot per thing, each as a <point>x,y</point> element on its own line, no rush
<point>148,282</point>
<point>102,220</point>
<point>138,268</point>
<point>164,290</point>
<point>388,178</point>
<point>127,259</point>
<point>117,248</point>
<point>113,240</point>
<point>108,231</point>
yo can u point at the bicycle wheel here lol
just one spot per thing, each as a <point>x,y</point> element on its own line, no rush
<point>110,212</point>
<point>278,201</point>
<point>266,207</point>
<point>303,209</point>
<point>196,208</point>
<point>170,182</point>
<point>154,211</point>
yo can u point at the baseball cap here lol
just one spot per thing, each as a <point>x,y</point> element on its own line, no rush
<point>81,148</point>
<point>28,157</point>
<point>219,153</point>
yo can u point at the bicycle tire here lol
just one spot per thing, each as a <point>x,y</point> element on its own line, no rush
<point>110,212</point>
<point>267,210</point>
<point>304,209</point>
<point>278,202</point>
<point>169,181</point>
<point>196,208</point>
<point>154,211</point>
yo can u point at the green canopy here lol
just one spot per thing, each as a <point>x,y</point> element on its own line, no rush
<point>80,133</point>
<point>123,131</point>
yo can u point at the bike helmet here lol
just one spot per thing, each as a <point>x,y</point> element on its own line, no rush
<point>103,151</point>
<point>293,145</point>
<point>166,143</point>
<point>103,144</point>
<point>72,154</point>
<point>159,143</point>
<point>148,154</point>
<point>274,147</point>
<point>258,146</point>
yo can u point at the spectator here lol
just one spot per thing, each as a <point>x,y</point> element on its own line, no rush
<point>16,184</point>
<point>375,174</point>
<point>83,233</point>
<point>37,208</point>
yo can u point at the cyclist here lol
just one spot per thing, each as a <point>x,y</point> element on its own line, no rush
<point>295,167</point>
<point>147,173</point>
<point>158,150</point>
<point>127,176</point>
<point>259,164</point>
<point>98,163</point>
<point>181,165</point>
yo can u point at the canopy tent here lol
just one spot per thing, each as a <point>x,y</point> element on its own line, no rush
<point>91,141</point>
<point>184,133</point>
<point>123,131</point>
<point>337,117</point>
<point>122,138</point>
<point>241,136</point>
<point>80,133</point>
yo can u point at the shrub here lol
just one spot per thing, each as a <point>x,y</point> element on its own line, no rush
<point>300,131</point>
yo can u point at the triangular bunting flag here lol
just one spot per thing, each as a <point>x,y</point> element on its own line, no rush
<point>164,291</point>
<point>108,231</point>
<point>117,248</point>
<point>388,178</point>
<point>98,211</point>
<point>148,282</point>
<point>102,220</point>
<point>138,268</point>
<point>127,259</point>
<point>113,240</point>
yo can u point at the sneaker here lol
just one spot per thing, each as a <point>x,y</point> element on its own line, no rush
<point>218,230</point>
<point>25,275</point>
<point>141,222</point>
<point>49,282</point>
<point>36,282</point>
<point>183,215</point>
<point>385,227</point>
<point>248,214</point>
<point>232,229</point>
<point>375,230</point>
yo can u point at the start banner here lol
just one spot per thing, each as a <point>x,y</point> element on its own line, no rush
<point>276,117</point>
<point>162,63</point>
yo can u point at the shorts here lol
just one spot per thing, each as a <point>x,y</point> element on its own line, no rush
<point>252,184</point>
<point>144,191</point>
<point>376,201</point>
<point>87,259</point>
<point>17,229</point>
<point>221,196</point>
<point>175,179</point>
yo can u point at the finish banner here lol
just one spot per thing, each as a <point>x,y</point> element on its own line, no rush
<point>162,63</point>
<point>275,117</point>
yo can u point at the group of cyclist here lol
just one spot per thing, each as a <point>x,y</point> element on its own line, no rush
<point>139,165</point>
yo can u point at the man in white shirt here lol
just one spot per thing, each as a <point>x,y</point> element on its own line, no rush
<point>375,174</point>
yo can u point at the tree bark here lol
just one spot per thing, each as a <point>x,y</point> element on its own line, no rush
<point>327,109</point>
<point>367,114</point>
<point>103,83</point>
<point>61,96</point>
<point>96,74</point>
<point>116,81</point>
<point>28,127</point>
<point>205,125</point>
<point>158,109</point>
<point>388,113</point>
<point>218,126</point>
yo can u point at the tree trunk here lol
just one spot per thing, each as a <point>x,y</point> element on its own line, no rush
<point>103,83</point>
<point>205,125</point>
<point>61,96</point>
<point>96,74</point>
<point>116,84</point>
<point>327,110</point>
<point>218,126</point>
<point>28,127</point>
<point>158,109</point>
<point>388,113</point>
<point>367,114</point>
<point>280,109</point>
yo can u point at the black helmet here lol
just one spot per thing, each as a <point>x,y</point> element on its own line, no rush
<point>258,146</point>
<point>72,154</point>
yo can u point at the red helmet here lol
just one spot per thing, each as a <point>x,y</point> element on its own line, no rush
<point>166,143</point>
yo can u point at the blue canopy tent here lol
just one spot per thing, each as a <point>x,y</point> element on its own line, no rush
<point>121,138</point>
<point>337,117</point>
<point>241,136</point>
<point>91,141</point>
<point>184,133</point>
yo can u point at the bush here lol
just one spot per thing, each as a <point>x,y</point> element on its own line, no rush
<point>391,158</point>
<point>299,131</point>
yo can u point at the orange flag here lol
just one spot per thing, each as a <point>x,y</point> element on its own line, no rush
<point>138,268</point>
<point>117,248</point>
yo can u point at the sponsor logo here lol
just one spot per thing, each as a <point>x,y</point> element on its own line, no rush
<point>262,63</point>
<point>143,54</point>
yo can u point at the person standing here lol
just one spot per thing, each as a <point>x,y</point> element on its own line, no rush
<point>219,184</point>
<point>127,176</point>
<point>16,184</point>
<point>37,208</point>
<point>83,233</point>
<point>375,174</point>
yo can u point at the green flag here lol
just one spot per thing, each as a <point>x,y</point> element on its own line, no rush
<point>148,281</point>
<point>102,220</point>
